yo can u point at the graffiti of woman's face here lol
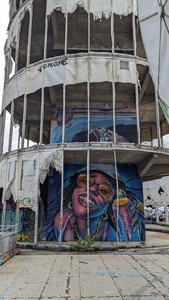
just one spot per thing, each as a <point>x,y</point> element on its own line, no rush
<point>100,195</point>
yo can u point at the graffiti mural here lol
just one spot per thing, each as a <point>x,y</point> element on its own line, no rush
<point>10,214</point>
<point>101,125</point>
<point>26,224</point>
<point>105,214</point>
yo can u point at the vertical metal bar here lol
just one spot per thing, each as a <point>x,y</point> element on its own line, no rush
<point>114,109</point>
<point>88,26</point>
<point>134,32</point>
<point>157,92</point>
<point>151,136</point>
<point>42,117</point>
<point>137,114</point>
<point>112,27</point>
<point>88,124</point>
<point>117,188</point>
<point>158,120</point>
<point>11,126</point>
<point>15,5</point>
<point>18,139</point>
<point>17,48</point>
<point>66,32</point>
<point>88,175</point>
<point>24,121</point>
<point>4,212</point>
<point>2,117</point>
<point>37,205</point>
<point>64,111</point>
<point>61,204</point>
<point>88,108</point>
<point>3,194</point>
<point>28,137</point>
<point>46,37</point>
<point>29,36</point>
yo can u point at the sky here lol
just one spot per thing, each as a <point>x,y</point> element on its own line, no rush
<point>3,35</point>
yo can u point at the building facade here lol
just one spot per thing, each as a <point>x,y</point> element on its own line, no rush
<point>78,124</point>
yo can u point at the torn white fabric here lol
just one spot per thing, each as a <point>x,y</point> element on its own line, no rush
<point>122,7</point>
<point>98,8</point>
<point>8,168</point>
<point>47,159</point>
<point>3,164</point>
<point>12,7</point>
<point>28,185</point>
<point>154,23</point>
<point>69,71</point>
<point>20,175</point>
<point>13,33</point>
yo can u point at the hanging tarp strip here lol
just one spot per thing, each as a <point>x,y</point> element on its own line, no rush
<point>98,8</point>
<point>154,23</point>
<point>69,71</point>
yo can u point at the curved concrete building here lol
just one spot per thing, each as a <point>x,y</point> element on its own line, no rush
<point>81,127</point>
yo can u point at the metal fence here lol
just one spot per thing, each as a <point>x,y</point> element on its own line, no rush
<point>8,237</point>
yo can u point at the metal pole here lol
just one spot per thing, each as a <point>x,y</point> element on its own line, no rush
<point>61,204</point>
<point>46,38</point>
<point>88,26</point>
<point>11,126</point>
<point>158,121</point>
<point>117,188</point>
<point>137,114</point>
<point>88,175</point>
<point>29,36</point>
<point>17,48</point>
<point>112,27</point>
<point>42,117</point>
<point>3,117</point>
<point>63,116</point>
<point>66,35</point>
<point>37,205</point>
<point>134,32</point>
<point>24,121</point>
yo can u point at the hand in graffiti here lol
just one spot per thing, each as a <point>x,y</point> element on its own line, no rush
<point>129,217</point>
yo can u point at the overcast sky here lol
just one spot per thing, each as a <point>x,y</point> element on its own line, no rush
<point>3,35</point>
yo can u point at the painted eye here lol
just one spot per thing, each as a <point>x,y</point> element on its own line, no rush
<point>105,192</point>
<point>82,180</point>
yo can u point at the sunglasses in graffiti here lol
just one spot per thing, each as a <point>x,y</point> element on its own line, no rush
<point>104,190</point>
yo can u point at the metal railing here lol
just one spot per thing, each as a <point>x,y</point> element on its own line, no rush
<point>8,237</point>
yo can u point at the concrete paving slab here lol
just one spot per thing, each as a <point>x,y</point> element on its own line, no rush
<point>92,275</point>
<point>66,264</point>
<point>64,286</point>
<point>143,297</point>
<point>76,276</point>
<point>155,239</point>
<point>26,291</point>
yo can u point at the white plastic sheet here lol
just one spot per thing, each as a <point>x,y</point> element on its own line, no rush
<point>49,158</point>
<point>154,23</point>
<point>13,33</point>
<point>68,71</point>
<point>98,8</point>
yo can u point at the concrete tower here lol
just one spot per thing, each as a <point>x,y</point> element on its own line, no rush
<point>79,120</point>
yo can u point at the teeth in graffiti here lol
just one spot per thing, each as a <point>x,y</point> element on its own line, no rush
<point>84,199</point>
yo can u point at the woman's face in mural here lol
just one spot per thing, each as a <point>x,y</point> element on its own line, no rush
<point>100,195</point>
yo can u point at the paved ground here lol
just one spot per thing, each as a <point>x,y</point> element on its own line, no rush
<point>128,274</point>
<point>106,276</point>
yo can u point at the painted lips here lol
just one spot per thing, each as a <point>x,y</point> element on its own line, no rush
<point>83,201</point>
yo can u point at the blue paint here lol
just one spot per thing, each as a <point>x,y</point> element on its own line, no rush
<point>2,296</point>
